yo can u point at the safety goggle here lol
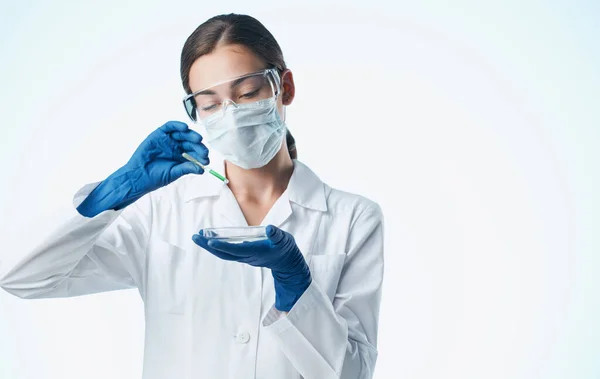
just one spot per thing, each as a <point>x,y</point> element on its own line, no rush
<point>249,88</point>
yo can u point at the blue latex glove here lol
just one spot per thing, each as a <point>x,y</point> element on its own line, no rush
<point>155,163</point>
<point>279,253</point>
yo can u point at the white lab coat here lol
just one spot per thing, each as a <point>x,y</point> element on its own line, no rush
<point>210,318</point>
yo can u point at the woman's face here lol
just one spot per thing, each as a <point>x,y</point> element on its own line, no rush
<point>230,61</point>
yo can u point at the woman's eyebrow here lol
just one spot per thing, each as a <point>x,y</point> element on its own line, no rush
<point>206,92</point>
<point>233,84</point>
<point>238,81</point>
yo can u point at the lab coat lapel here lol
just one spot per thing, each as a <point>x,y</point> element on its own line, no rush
<point>229,213</point>
<point>227,210</point>
<point>279,212</point>
<point>304,189</point>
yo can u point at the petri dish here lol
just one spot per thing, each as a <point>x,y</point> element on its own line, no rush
<point>237,234</point>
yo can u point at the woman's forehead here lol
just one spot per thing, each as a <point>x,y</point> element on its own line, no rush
<point>223,63</point>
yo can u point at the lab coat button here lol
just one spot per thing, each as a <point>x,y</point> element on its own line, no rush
<point>242,338</point>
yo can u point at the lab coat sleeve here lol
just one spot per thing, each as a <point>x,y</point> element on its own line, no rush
<point>325,339</point>
<point>81,255</point>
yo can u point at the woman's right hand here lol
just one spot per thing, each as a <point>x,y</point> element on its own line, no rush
<point>157,162</point>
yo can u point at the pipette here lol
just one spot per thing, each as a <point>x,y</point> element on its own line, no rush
<point>210,170</point>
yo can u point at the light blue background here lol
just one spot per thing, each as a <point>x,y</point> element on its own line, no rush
<point>474,124</point>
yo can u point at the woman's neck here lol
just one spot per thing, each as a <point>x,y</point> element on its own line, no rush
<point>261,185</point>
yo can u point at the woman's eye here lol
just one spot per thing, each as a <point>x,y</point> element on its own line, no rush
<point>208,107</point>
<point>249,95</point>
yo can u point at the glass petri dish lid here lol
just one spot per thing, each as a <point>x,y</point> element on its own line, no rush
<point>237,234</point>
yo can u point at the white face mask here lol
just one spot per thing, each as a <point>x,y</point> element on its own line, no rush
<point>247,135</point>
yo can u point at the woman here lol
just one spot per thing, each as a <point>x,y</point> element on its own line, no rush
<point>302,303</point>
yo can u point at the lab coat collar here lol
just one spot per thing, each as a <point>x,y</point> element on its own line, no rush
<point>305,188</point>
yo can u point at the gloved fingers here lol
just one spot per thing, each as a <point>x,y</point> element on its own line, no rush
<point>203,242</point>
<point>188,135</point>
<point>196,150</point>
<point>162,146</point>
<point>175,143</point>
<point>275,234</point>
<point>200,240</point>
<point>244,249</point>
<point>185,168</point>
<point>173,126</point>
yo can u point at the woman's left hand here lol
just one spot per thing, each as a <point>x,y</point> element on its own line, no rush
<point>278,252</point>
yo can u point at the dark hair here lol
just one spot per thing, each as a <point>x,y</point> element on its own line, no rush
<point>228,29</point>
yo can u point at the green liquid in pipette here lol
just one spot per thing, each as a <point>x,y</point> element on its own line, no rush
<point>210,170</point>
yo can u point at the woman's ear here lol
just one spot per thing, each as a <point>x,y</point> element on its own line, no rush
<point>289,89</point>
